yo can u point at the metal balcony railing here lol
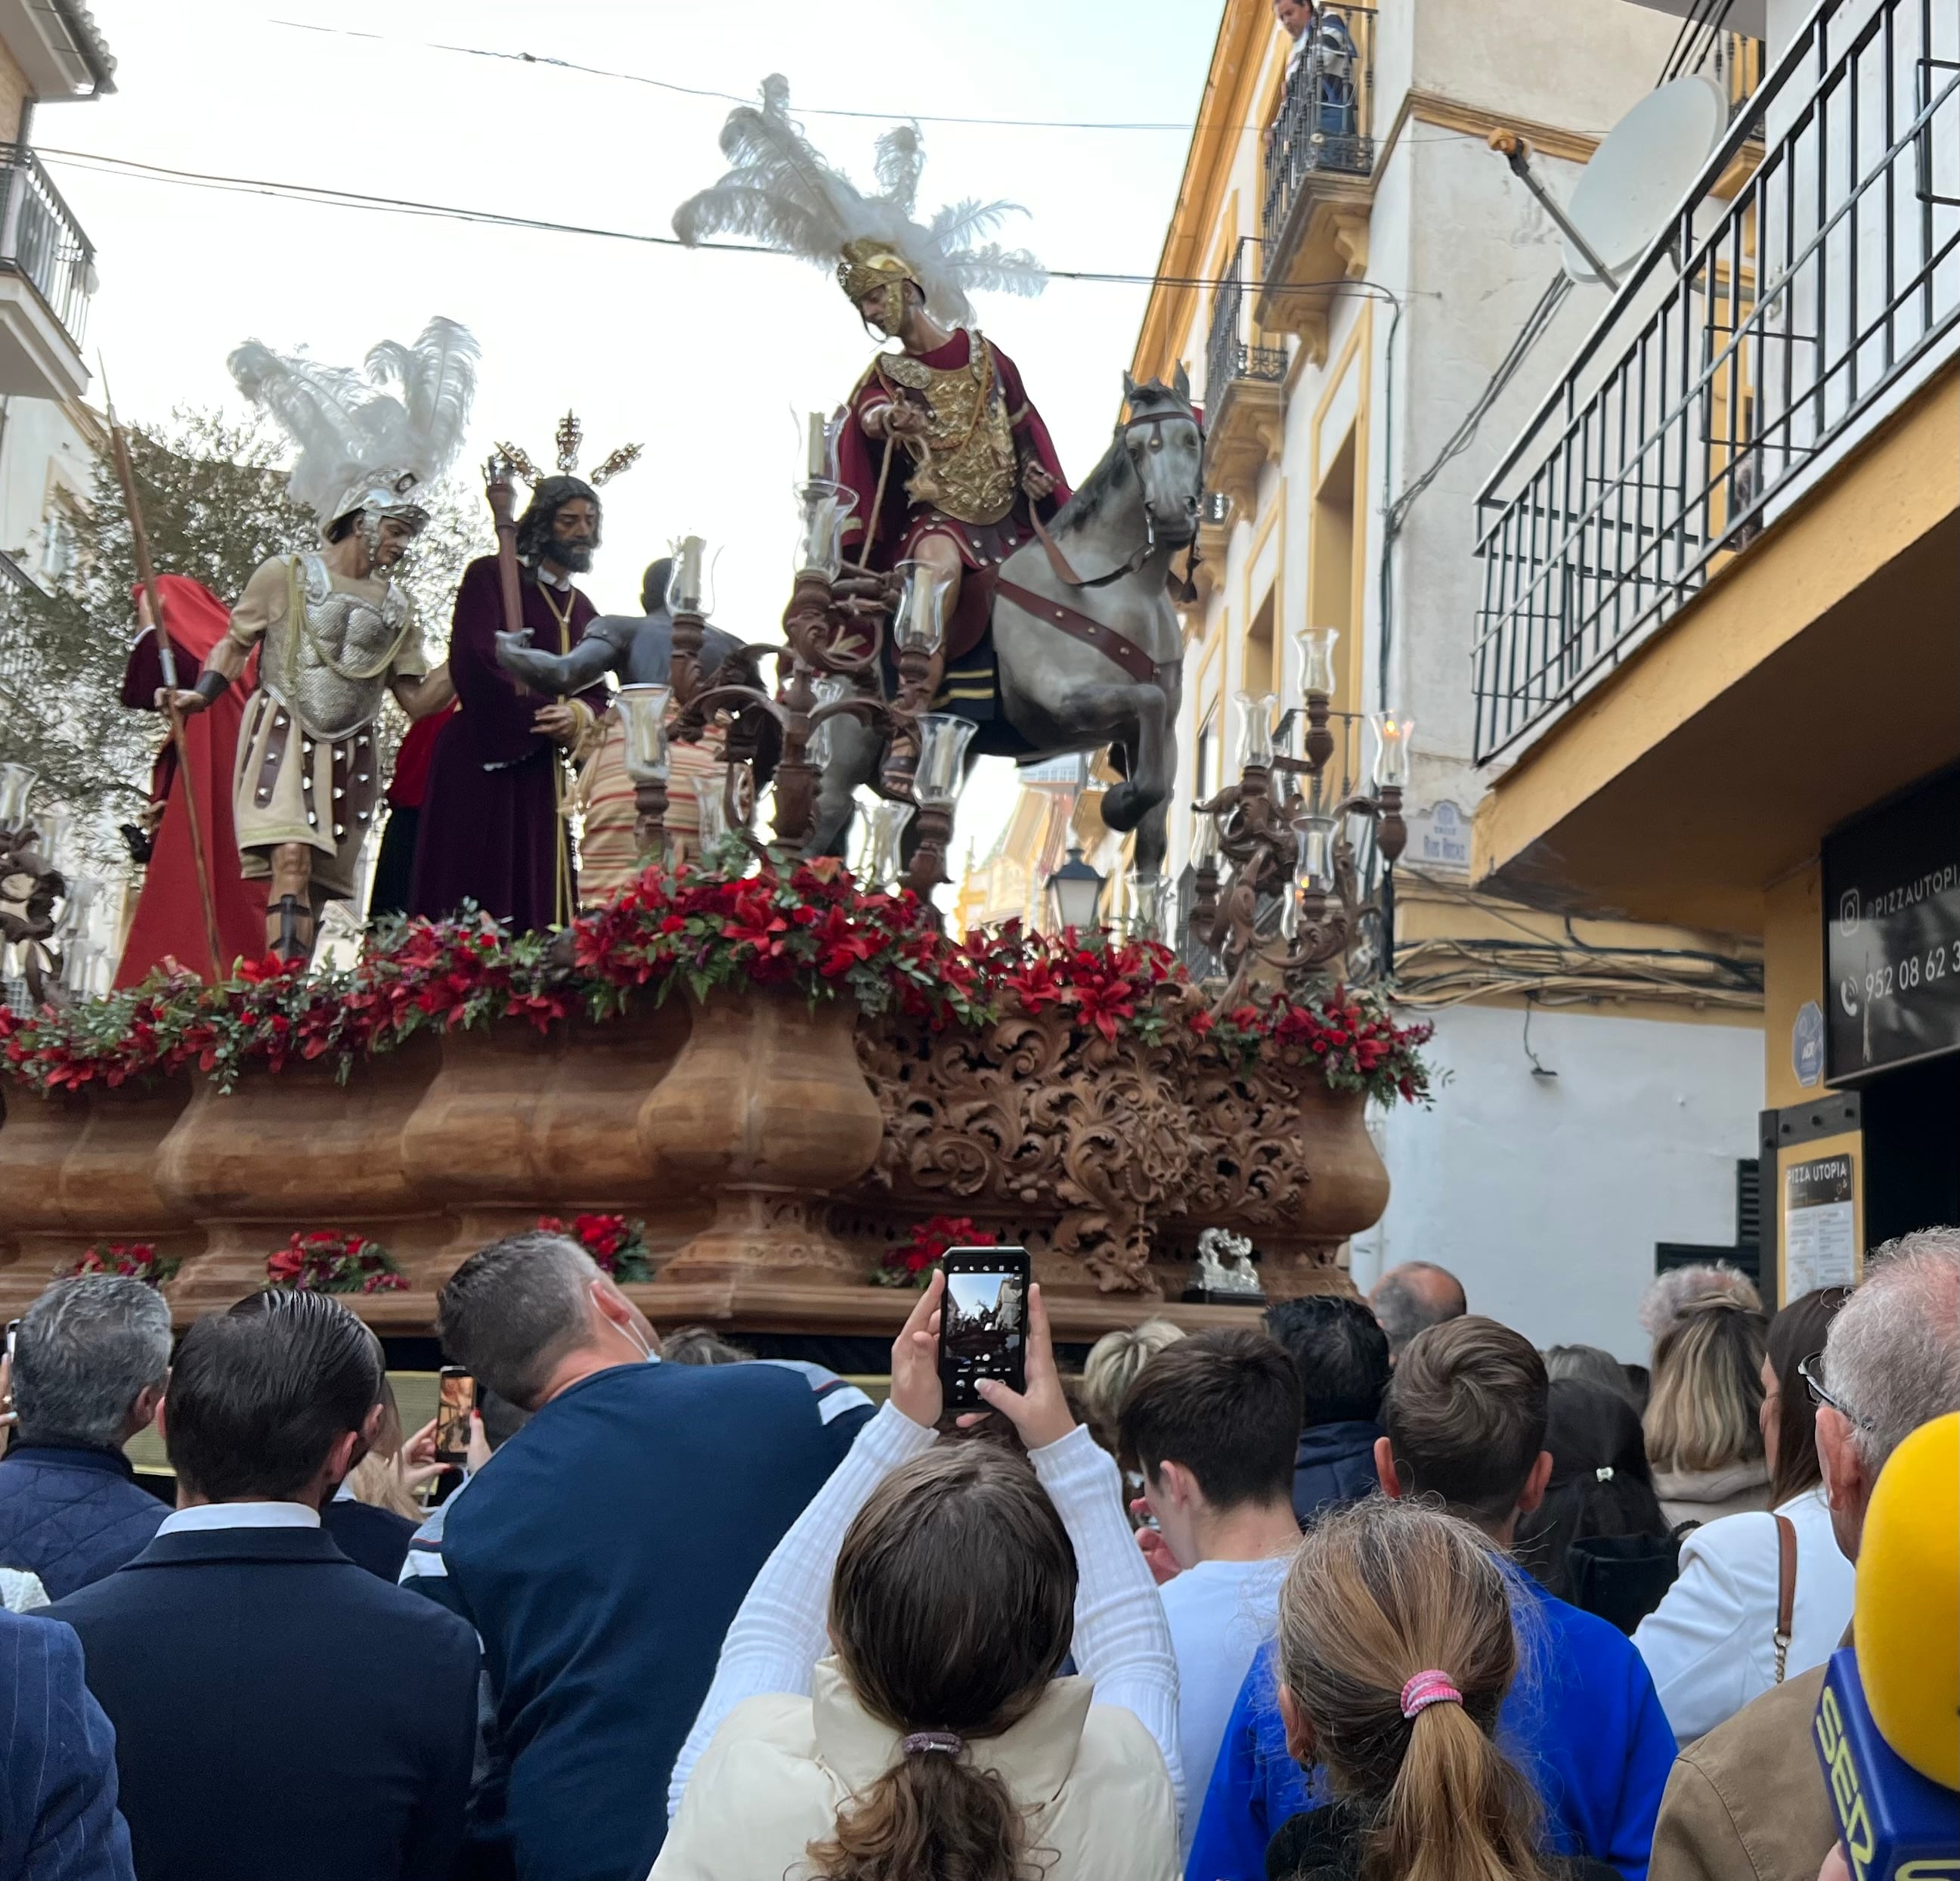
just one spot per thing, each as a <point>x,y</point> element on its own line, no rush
<point>1745,355</point>
<point>1233,348</point>
<point>1323,121</point>
<point>18,660</point>
<point>40,239</point>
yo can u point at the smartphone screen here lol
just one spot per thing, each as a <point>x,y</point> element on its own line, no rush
<point>457,1398</point>
<point>983,1321</point>
<point>13,1331</point>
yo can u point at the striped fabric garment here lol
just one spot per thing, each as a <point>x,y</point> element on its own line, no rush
<point>608,857</point>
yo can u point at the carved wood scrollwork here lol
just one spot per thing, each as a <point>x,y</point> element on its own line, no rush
<point>1084,1147</point>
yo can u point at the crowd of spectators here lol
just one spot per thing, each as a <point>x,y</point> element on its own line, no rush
<point>1369,1590</point>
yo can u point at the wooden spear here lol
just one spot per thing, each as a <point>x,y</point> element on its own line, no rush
<point>166,657</point>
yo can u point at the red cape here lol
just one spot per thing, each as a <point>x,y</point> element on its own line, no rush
<point>169,922</point>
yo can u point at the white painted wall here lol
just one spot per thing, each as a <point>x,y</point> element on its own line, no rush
<point>41,451</point>
<point>1545,1195</point>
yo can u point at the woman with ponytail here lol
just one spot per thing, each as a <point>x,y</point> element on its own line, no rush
<point>1396,1648</point>
<point>887,1706</point>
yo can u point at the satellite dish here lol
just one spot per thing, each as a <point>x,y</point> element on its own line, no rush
<point>1639,175</point>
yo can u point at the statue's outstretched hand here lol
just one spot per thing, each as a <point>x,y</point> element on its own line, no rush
<point>1036,481</point>
<point>510,645</point>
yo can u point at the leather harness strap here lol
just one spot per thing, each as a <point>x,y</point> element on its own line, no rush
<point>1786,1591</point>
<point>1092,633</point>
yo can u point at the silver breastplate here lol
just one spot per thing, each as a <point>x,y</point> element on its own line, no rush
<point>333,653</point>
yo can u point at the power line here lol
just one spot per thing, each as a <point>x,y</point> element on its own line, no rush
<point>733,97</point>
<point>103,163</point>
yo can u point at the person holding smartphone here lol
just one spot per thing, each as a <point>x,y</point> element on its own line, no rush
<point>890,1681</point>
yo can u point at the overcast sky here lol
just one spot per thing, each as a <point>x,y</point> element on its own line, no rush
<point>707,359</point>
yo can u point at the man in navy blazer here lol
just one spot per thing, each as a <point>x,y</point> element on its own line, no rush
<point>278,1710</point>
<point>58,1818</point>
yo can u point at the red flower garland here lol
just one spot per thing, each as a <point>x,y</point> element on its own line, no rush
<point>324,1262</point>
<point>911,1264</point>
<point>618,1244</point>
<point>137,1260</point>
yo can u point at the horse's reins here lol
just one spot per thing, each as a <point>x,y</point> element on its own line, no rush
<point>1058,561</point>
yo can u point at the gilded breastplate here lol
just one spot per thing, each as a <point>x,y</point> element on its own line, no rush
<point>333,651</point>
<point>968,466</point>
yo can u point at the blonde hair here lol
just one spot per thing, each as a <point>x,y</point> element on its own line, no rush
<point>1707,1387</point>
<point>1378,1593</point>
<point>1114,1363</point>
<point>375,1480</point>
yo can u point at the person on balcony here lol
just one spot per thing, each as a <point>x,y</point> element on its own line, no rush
<point>1323,58</point>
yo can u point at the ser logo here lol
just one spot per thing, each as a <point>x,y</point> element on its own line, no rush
<point>1848,913</point>
<point>1848,1795</point>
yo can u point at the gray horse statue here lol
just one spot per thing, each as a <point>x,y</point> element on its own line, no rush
<point>1084,634</point>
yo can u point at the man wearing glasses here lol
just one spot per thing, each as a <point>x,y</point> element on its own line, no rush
<point>1747,1803</point>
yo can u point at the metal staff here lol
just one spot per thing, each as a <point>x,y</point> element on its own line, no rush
<point>126,474</point>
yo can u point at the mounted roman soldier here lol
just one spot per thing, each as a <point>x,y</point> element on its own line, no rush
<point>950,462</point>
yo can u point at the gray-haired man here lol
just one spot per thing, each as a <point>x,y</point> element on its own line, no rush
<point>1747,1803</point>
<point>90,1363</point>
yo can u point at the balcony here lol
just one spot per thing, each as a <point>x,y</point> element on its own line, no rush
<point>1214,536</point>
<point>47,273</point>
<point>1319,175</point>
<point>1758,344</point>
<point>1244,385</point>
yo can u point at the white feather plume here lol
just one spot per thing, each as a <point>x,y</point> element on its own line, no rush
<point>347,428</point>
<point>780,191</point>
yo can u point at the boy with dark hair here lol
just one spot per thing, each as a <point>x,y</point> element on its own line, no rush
<point>279,1711</point>
<point>1341,1354</point>
<point>1212,1421</point>
<point>1465,1419</point>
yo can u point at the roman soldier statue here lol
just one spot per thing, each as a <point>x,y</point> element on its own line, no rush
<point>336,633</point>
<point>950,462</point>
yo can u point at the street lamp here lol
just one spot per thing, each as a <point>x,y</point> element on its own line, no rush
<point>1075,893</point>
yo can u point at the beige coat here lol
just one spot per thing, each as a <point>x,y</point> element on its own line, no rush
<point>781,1767</point>
<point>1747,1803</point>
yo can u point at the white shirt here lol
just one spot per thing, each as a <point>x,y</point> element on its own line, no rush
<point>1220,1613</point>
<point>234,1515</point>
<point>1711,1644</point>
<point>782,1629</point>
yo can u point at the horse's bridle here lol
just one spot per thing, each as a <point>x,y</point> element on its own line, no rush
<point>1059,562</point>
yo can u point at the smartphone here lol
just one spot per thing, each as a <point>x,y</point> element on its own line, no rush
<point>983,1319</point>
<point>456,1398</point>
<point>13,1332</point>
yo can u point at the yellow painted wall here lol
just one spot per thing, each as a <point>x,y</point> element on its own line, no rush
<point>13,93</point>
<point>1792,972</point>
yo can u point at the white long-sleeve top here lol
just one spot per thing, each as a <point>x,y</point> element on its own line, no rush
<point>1121,1640</point>
<point>1711,1643</point>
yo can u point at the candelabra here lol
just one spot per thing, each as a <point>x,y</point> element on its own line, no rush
<point>833,629</point>
<point>1277,841</point>
<point>44,916</point>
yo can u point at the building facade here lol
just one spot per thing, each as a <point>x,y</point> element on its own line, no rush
<point>1723,686</point>
<point>1369,303</point>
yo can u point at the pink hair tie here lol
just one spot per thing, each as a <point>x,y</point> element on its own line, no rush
<point>947,1743</point>
<point>1426,1688</point>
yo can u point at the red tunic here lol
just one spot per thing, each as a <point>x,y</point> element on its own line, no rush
<point>895,529</point>
<point>168,926</point>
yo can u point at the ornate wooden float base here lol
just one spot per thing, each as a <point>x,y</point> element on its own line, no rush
<point>777,1155</point>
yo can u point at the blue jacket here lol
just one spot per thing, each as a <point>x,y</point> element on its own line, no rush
<point>72,1515</point>
<point>58,1818</point>
<point>1334,1464</point>
<point>1582,1721</point>
<point>600,1555</point>
<point>279,1712</point>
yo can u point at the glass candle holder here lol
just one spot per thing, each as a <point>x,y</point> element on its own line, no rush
<point>1393,736</point>
<point>1147,895</point>
<point>16,781</point>
<point>1314,871</point>
<point>712,801</point>
<point>918,623</point>
<point>1256,729</point>
<point>52,827</point>
<point>643,711</point>
<point>689,590</point>
<point>942,761</point>
<point>1316,659</point>
<point>1203,842</point>
<point>832,689</point>
<point>822,509</point>
<point>885,828</point>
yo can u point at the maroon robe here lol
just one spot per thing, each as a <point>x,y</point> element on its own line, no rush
<point>490,827</point>
<point>899,522</point>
